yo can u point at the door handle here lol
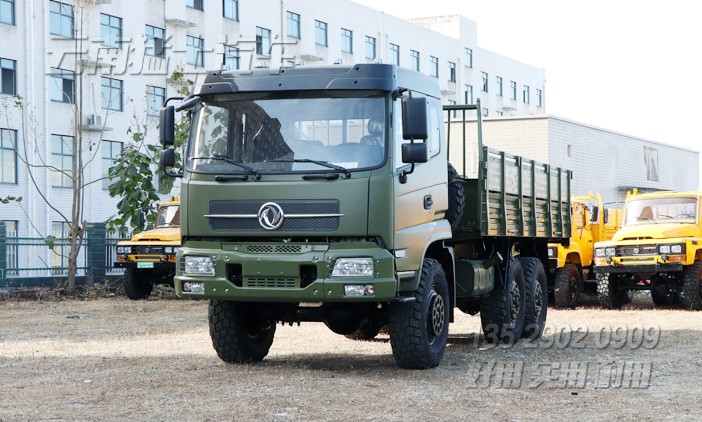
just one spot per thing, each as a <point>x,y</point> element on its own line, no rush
<point>428,202</point>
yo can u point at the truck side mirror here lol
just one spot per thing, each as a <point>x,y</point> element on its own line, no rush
<point>595,214</point>
<point>414,119</point>
<point>166,126</point>
<point>167,158</point>
<point>415,153</point>
<point>605,216</point>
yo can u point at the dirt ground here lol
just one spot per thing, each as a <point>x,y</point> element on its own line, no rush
<point>113,359</point>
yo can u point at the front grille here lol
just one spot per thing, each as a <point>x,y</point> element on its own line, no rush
<point>274,249</point>
<point>146,250</point>
<point>275,283</point>
<point>247,215</point>
<point>637,250</point>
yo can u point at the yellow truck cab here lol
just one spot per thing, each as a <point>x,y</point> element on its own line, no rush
<point>658,248</point>
<point>571,266</point>
<point>149,257</point>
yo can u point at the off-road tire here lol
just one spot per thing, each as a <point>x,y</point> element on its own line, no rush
<point>502,312</point>
<point>663,300</point>
<point>456,198</point>
<point>536,292</point>
<point>566,286</point>
<point>608,293</point>
<point>137,284</point>
<point>419,329</point>
<point>692,287</point>
<point>239,332</point>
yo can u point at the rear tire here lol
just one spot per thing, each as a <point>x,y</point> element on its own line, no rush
<point>608,293</point>
<point>137,285</point>
<point>456,197</point>
<point>536,292</point>
<point>692,287</point>
<point>419,329</point>
<point>566,288</point>
<point>502,313</point>
<point>240,332</point>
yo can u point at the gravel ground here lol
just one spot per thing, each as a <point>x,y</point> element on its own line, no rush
<point>113,359</point>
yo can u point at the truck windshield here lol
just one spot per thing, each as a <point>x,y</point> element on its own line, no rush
<point>168,216</point>
<point>680,209</point>
<point>288,132</point>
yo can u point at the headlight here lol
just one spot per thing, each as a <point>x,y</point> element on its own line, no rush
<point>610,251</point>
<point>200,265</point>
<point>124,249</point>
<point>600,252</point>
<point>552,252</point>
<point>353,267</point>
<point>677,249</point>
<point>175,250</point>
<point>168,250</point>
<point>664,249</point>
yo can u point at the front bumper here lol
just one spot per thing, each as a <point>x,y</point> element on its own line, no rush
<point>276,272</point>
<point>638,269</point>
<point>146,265</point>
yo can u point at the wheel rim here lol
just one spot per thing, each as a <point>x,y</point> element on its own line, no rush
<point>516,298</point>
<point>538,300</point>
<point>573,285</point>
<point>436,316</point>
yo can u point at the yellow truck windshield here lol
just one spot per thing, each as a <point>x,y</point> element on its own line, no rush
<point>669,209</point>
<point>168,216</point>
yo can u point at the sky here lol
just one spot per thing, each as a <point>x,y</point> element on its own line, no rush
<point>627,66</point>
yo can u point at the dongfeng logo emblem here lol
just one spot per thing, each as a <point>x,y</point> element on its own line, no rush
<point>270,216</point>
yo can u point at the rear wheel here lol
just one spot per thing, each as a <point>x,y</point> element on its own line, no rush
<point>419,329</point>
<point>240,331</point>
<point>137,284</point>
<point>692,287</point>
<point>566,287</point>
<point>502,313</point>
<point>536,292</point>
<point>609,294</point>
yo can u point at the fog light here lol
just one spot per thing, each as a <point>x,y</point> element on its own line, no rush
<point>190,287</point>
<point>359,290</point>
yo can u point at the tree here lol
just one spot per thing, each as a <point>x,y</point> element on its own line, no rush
<point>132,172</point>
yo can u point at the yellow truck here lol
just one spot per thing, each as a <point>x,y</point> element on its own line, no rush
<point>149,257</point>
<point>571,266</point>
<point>658,248</point>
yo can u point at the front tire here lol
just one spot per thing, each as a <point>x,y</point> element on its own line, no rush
<point>692,287</point>
<point>566,288</point>
<point>609,294</point>
<point>419,329</point>
<point>240,331</point>
<point>137,285</point>
<point>536,292</point>
<point>502,313</point>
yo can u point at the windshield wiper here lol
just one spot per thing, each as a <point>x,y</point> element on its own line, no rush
<point>344,170</point>
<point>256,174</point>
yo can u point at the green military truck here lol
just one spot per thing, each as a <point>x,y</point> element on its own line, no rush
<point>325,194</point>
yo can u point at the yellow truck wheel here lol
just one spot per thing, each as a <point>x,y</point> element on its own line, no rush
<point>137,284</point>
<point>566,286</point>
<point>692,287</point>
<point>608,293</point>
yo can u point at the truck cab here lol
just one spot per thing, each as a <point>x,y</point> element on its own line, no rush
<point>658,248</point>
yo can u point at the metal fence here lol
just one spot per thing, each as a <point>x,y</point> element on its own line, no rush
<point>34,261</point>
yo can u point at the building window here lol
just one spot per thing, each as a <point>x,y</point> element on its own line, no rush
<point>346,40</point>
<point>155,41</point>
<point>484,78</point>
<point>414,60</point>
<point>468,94</point>
<point>468,56</point>
<point>263,41</point>
<point>110,151</point>
<point>570,150</point>
<point>61,19</point>
<point>498,85</point>
<point>454,113</point>
<point>8,76</point>
<point>194,4</point>
<point>512,90</point>
<point>155,97</point>
<point>195,51</point>
<point>395,54</point>
<point>8,156</point>
<point>539,98</point>
<point>320,33</point>
<point>434,66</point>
<point>230,9</point>
<point>62,161</point>
<point>651,160</point>
<point>59,256</point>
<point>525,94</point>
<point>112,90</point>
<point>11,248</point>
<point>452,71</point>
<point>111,30</point>
<point>7,12</point>
<point>370,47</point>
<point>230,59</point>
<point>63,86</point>
<point>293,25</point>
<point>485,112</point>
<point>499,113</point>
